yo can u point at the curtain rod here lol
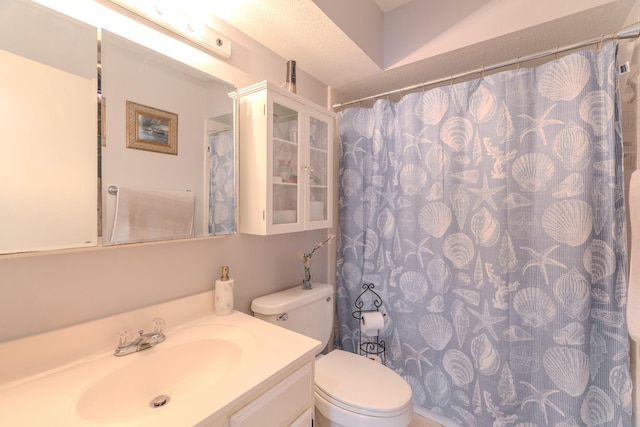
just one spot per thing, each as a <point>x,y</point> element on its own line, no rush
<point>630,32</point>
<point>218,131</point>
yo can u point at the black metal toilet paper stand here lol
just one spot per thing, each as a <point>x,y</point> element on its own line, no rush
<point>369,346</point>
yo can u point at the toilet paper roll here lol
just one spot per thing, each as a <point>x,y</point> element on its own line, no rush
<point>371,322</point>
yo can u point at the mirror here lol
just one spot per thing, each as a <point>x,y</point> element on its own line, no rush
<point>48,81</point>
<point>53,148</point>
<point>164,93</point>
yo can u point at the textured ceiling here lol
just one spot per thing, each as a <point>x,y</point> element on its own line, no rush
<point>301,30</point>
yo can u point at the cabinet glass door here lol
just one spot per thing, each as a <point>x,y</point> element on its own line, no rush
<point>285,164</point>
<point>319,152</point>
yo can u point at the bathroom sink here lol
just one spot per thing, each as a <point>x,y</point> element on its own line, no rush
<point>164,375</point>
<point>204,370</point>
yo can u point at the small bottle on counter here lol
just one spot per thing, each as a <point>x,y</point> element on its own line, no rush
<point>223,294</point>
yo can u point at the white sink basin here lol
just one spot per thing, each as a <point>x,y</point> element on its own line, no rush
<point>206,367</point>
<point>177,371</point>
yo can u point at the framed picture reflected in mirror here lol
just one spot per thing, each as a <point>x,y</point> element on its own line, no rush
<point>151,129</point>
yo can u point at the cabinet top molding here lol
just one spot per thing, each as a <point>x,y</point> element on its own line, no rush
<point>257,87</point>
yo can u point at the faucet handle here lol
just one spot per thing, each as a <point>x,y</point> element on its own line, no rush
<point>125,337</point>
<point>158,325</point>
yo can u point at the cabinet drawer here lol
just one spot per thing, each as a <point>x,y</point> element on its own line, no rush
<point>280,405</point>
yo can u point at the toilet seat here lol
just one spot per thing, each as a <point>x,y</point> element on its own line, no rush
<point>357,384</point>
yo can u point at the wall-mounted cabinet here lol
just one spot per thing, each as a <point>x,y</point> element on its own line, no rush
<point>286,162</point>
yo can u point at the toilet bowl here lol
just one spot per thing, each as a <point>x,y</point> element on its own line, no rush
<point>350,390</point>
<point>353,391</point>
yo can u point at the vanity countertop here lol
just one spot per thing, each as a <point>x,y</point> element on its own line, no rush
<point>54,397</point>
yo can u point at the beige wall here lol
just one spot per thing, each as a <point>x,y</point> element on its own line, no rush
<point>48,290</point>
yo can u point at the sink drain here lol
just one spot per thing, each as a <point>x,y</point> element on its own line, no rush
<point>159,401</point>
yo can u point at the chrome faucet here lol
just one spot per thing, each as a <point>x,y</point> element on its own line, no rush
<point>143,341</point>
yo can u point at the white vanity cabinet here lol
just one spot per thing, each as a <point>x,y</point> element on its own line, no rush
<point>285,401</point>
<point>229,371</point>
<point>286,162</point>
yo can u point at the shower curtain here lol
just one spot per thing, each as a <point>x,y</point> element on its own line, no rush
<point>489,215</point>
<point>222,187</point>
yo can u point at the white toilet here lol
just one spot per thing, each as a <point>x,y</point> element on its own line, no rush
<point>350,390</point>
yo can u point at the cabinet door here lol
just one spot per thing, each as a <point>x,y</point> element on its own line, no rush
<point>285,201</point>
<point>286,162</point>
<point>292,399</point>
<point>319,170</point>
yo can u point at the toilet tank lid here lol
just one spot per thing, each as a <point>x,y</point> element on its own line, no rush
<point>289,299</point>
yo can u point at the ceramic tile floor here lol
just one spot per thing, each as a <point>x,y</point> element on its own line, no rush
<point>419,421</point>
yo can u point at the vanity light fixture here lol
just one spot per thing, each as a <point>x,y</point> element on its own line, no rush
<point>178,22</point>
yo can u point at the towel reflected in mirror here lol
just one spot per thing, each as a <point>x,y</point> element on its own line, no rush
<point>147,215</point>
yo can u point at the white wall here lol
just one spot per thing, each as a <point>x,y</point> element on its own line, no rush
<point>361,21</point>
<point>48,290</point>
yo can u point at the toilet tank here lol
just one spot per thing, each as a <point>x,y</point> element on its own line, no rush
<point>305,311</point>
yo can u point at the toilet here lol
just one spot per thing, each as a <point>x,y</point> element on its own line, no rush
<point>350,390</point>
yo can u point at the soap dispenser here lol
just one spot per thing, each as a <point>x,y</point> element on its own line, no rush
<point>223,294</point>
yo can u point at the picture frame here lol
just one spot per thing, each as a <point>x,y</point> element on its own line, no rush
<point>151,129</point>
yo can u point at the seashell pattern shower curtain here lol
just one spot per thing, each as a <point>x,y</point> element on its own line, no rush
<point>490,217</point>
<point>222,183</point>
